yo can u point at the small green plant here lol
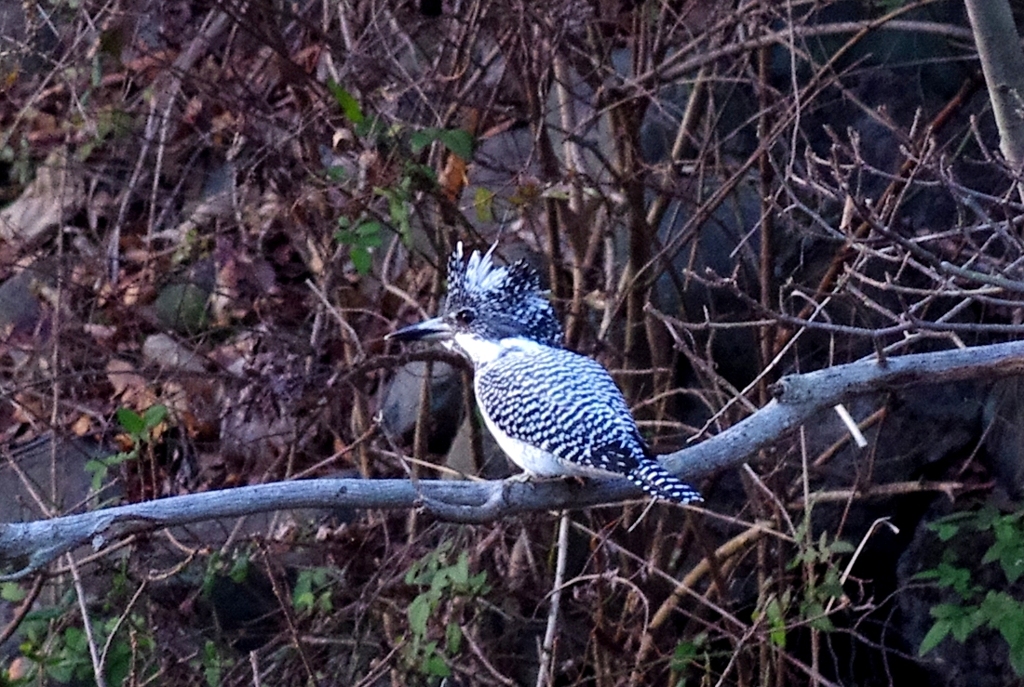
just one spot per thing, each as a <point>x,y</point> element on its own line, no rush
<point>360,238</point>
<point>62,652</point>
<point>18,155</point>
<point>402,145</point>
<point>775,614</point>
<point>140,430</point>
<point>347,102</point>
<point>313,591</point>
<point>689,654</point>
<point>820,587</point>
<point>445,586</point>
<point>217,566</point>
<point>12,592</point>
<point>458,141</point>
<point>213,663</point>
<point>976,606</point>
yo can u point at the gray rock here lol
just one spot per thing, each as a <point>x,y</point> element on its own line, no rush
<point>401,402</point>
<point>1004,435</point>
<point>461,456</point>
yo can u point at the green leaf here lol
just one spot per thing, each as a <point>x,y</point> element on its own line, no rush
<point>349,105</point>
<point>419,613</point>
<point>131,421</point>
<point>946,530</point>
<point>154,415</point>
<point>840,546</point>
<point>453,638</point>
<point>949,576</point>
<point>421,139</point>
<point>683,655</point>
<point>986,518</point>
<point>1017,660</point>
<point>775,613</point>
<point>302,595</point>
<point>99,473</point>
<point>483,203</point>
<point>1008,548</point>
<point>361,259</point>
<point>459,572</point>
<point>324,602</point>
<point>398,207</point>
<point>823,623</point>
<point>75,639</point>
<point>61,672</point>
<point>360,239</point>
<point>963,620</point>
<point>435,665</point>
<point>10,591</point>
<point>459,141</point>
<point>935,635</point>
<point>213,666</point>
<point>830,587</point>
<point>1006,614</point>
<point>478,583</point>
<point>814,613</point>
<point>239,570</point>
<point>441,581</point>
<point>371,128</point>
<point>303,601</point>
<point>368,235</point>
<point>96,467</point>
<point>183,307</point>
<point>947,526</point>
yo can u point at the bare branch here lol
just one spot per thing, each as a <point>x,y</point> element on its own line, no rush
<point>33,545</point>
<point>799,397</point>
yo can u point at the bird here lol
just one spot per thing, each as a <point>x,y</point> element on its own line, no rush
<point>553,411</point>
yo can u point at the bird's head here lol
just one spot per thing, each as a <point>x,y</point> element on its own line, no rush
<point>488,303</point>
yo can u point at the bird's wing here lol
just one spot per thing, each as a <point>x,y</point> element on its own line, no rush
<point>563,403</point>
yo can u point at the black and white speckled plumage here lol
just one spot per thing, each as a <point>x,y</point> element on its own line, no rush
<point>569,407</point>
<point>554,412</point>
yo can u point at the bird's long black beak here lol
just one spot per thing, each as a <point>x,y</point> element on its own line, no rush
<point>436,329</point>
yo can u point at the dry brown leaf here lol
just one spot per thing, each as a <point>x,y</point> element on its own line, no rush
<point>82,426</point>
<point>162,350</point>
<point>57,191</point>
<point>130,387</point>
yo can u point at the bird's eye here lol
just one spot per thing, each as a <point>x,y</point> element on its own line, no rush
<point>464,316</point>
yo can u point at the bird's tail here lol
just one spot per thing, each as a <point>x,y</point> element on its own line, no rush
<point>659,483</point>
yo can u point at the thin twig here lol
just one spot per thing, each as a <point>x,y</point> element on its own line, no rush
<point>545,671</point>
<point>94,653</point>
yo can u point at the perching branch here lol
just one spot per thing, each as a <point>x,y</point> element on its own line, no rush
<point>800,397</point>
<point>27,547</point>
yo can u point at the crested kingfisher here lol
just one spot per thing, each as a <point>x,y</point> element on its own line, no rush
<point>552,411</point>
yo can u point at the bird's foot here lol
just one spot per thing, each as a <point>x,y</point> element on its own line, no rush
<point>520,477</point>
<point>574,480</point>
<point>528,477</point>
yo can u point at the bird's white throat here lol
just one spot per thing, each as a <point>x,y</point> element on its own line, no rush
<point>482,351</point>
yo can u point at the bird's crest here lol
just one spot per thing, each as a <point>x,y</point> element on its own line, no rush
<point>507,298</point>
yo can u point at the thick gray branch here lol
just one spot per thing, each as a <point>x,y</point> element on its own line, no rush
<point>32,545</point>
<point>799,397</point>
<point>1002,63</point>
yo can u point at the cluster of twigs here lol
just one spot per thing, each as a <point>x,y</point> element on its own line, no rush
<point>722,196</point>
